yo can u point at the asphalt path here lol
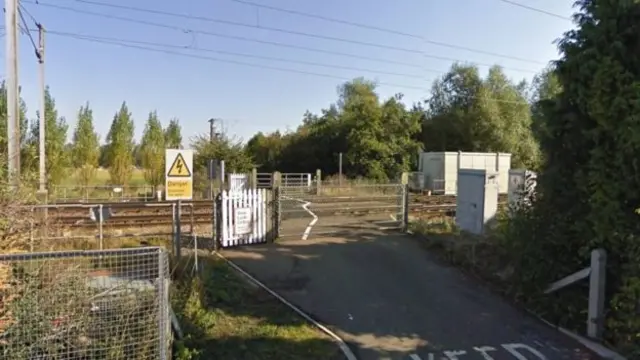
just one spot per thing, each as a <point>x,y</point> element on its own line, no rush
<point>390,299</point>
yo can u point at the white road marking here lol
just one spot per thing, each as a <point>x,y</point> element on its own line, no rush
<point>453,354</point>
<point>512,348</point>
<point>483,350</point>
<point>305,206</point>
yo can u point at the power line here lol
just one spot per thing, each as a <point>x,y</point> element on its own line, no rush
<point>299,33</point>
<point>233,37</point>
<point>531,8</point>
<point>123,44</point>
<point>147,43</point>
<point>25,29</point>
<point>279,44</point>
<point>144,48</point>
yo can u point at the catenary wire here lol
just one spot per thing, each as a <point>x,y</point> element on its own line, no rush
<point>24,27</point>
<point>222,52</point>
<point>531,8</point>
<point>234,62</point>
<point>299,33</point>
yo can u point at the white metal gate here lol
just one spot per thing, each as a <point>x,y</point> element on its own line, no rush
<point>243,216</point>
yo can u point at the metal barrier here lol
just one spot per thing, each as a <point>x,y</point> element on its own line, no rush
<point>109,304</point>
<point>596,273</point>
<point>95,219</point>
<point>102,193</point>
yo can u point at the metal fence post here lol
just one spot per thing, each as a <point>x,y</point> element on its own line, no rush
<point>597,281</point>
<point>100,229</point>
<point>217,222</point>
<point>163,323</point>
<point>178,238</point>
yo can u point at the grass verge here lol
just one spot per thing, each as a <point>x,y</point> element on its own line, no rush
<point>224,317</point>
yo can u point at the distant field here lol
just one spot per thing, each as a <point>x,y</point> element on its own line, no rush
<point>102,178</point>
<point>101,187</point>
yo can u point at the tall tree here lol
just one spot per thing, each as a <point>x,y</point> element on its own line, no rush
<point>152,151</point>
<point>57,159</point>
<point>468,113</point>
<point>120,148</point>
<point>85,147</point>
<point>589,187</point>
<point>173,135</point>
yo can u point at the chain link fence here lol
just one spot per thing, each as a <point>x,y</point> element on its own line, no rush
<point>98,304</point>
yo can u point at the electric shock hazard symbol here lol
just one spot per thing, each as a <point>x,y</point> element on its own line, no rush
<point>179,178</point>
<point>179,168</point>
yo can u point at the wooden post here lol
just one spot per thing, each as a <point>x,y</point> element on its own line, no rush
<point>276,180</point>
<point>318,182</point>
<point>254,178</point>
<point>404,180</point>
<point>597,282</point>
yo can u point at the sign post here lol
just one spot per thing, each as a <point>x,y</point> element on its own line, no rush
<point>178,174</point>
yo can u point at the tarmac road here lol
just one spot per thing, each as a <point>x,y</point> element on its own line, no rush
<point>390,299</point>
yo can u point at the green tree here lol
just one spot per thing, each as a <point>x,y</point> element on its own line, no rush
<point>152,148</point>
<point>546,86</point>
<point>57,159</point>
<point>231,151</point>
<point>85,148</point>
<point>120,148</point>
<point>468,113</point>
<point>173,134</point>
<point>589,187</point>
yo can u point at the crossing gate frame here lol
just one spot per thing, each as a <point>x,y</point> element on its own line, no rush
<point>242,217</point>
<point>238,181</point>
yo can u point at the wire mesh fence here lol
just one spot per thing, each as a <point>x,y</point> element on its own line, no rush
<point>109,304</point>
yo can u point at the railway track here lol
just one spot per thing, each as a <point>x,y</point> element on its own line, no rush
<point>126,215</point>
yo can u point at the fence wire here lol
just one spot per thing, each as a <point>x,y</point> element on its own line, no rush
<point>110,304</point>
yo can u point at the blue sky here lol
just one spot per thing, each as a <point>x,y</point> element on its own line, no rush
<point>252,99</point>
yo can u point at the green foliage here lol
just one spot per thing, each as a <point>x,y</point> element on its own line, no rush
<point>468,113</point>
<point>589,186</point>
<point>58,159</point>
<point>152,151</point>
<point>173,134</point>
<point>119,152</point>
<point>85,147</point>
<point>377,139</point>
<point>232,152</point>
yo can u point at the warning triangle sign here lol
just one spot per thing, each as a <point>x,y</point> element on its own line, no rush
<point>179,168</point>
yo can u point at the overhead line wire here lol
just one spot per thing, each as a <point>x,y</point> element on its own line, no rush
<point>318,36</point>
<point>222,52</point>
<point>259,66</point>
<point>530,8</point>
<point>234,62</point>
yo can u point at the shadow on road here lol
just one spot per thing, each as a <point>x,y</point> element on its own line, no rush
<point>390,299</point>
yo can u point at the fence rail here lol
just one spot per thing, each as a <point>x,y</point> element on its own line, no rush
<point>110,304</point>
<point>596,273</point>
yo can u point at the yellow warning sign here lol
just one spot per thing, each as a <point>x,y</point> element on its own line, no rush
<point>179,189</point>
<point>179,168</point>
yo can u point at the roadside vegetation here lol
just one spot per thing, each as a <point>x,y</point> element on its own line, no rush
<point>225,317</point>
<point>576,124</point>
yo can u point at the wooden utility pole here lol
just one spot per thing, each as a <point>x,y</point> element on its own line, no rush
<point>13,114</point>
